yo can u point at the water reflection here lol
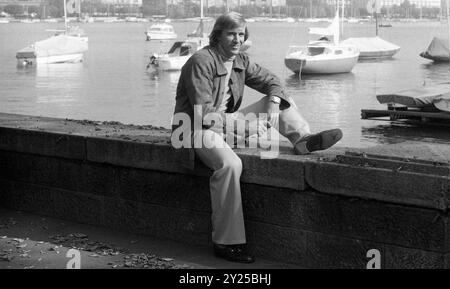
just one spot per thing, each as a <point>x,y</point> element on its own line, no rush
<point>436,72</point>
<point>295,81</point>
<point>377,60</point>
<point>392,133</point>
<point>60,83</point>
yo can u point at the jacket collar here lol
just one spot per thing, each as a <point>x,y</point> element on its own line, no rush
<point>238,62</point>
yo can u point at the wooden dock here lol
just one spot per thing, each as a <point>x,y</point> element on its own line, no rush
<point>407,114</point>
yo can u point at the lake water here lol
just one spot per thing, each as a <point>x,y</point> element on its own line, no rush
<point>113,84</point>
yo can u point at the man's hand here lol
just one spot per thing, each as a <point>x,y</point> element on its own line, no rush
<point>256,127</point>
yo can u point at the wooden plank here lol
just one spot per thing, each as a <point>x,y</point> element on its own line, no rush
<point>405,113</point>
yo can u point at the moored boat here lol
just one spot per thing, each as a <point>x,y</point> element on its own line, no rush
<point>372,47</point>
<point>439,49</point>
<point>329,59</point>
<point>323,56</point>
<point>66,46</point>
<point>160,31</point>
<point>56,49</point>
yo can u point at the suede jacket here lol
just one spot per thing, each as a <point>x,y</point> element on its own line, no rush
<point>202,82</point>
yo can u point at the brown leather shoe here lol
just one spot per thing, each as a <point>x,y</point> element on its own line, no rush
<point>320,141</point>
<point>233,253</point>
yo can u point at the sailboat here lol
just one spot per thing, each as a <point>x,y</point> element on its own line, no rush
<point>373,47</point>
<point>438,49</point>
<point>66,46</point>
<point>323,56</point>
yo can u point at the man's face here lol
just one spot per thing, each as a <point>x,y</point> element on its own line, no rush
<point>231,40</point>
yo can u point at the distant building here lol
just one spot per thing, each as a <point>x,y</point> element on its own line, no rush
<point>425,3</point>
<point>237,3</point>
<point>417,3</point>
<point>123,2</point>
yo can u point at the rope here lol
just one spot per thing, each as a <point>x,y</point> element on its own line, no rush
<point>300,71</point>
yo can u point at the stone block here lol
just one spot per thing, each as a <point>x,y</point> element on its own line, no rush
<point>77,207</point>
<point>167,189</point>
<point>43,143</point>
<point>161,157</point>
<point>282,172</point>
<point>122,215</point>
<point>187,226</point>
<point>27,197</point>
<point>155,220</point>
<point>305,248</point>
<point>380,184</point>
<point>407,258</point>
<point>48,171</point>
<point>100,179</point>
<point>345,216</point>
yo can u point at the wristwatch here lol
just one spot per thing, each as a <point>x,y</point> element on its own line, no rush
<point>275,99</point>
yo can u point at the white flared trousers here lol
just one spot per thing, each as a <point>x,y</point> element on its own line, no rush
<point>226,202</point>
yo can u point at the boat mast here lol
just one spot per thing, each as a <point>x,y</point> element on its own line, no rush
<point>201,10</point>
<point>342,19</point>
<point>65,16</point>
<point>376,16</point>
<point>448,24</point>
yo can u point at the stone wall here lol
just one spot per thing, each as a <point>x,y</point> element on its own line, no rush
<point>317,211</point>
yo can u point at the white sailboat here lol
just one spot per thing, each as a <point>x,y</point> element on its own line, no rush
<point>66,46</point>
<point>373,47</point>
<point>323,56</point>
<point>439,48</point>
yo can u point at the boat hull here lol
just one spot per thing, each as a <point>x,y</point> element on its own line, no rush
<point>29,60</point>
<point>171,62</point>
<point>56,49</point>
<point>437,50</point>
<point>377,54</point>
<point>372,47</point>
<point>311,65</point>
<point>160,36</point>
<point>435,58</point>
